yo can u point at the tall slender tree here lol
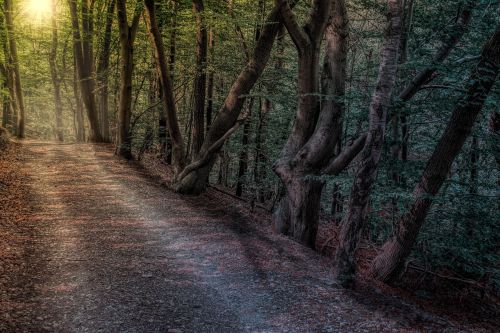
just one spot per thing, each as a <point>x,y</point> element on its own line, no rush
<point>103,72</point>
<point>200,80</point>
<point>56,81</point>
<point>85,63</point>
<point>127,40</point>
<point>15,72</point>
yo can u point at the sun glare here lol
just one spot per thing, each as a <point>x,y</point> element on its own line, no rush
<point>39,9</point>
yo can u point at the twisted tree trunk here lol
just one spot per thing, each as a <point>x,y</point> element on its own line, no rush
<point>310,149</point>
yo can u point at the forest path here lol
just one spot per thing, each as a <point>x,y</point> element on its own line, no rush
<point>106,249</point>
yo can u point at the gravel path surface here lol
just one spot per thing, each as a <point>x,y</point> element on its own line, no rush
<point>107,249</point>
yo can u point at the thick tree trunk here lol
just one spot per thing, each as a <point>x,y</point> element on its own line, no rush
<point>127,38</point>
<point>178,160</point>
<point>84,61</point>
<point>200,80</point>
<point>56,81</point>
<point>103,72</point>
<point>387,265</point>
<point>14,62</point>
<point>295,214</point>
<point>310,149</point>
<point>345,266</point>
<point>299,209</point>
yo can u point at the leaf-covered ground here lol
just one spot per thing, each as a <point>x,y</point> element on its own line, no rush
<point>90,243</point>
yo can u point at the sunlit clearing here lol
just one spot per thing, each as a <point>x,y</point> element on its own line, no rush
<point>39,9</point>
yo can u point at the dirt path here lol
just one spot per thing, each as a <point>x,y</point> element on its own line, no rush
<point>106,249</point>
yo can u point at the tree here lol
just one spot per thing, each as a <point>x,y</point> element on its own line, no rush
<point>310,149</point>
<point>168,99</point>
<point>14,68</point>
<point>56,81</point>
<point>85,64</point>
<point>397,248</point>
<point>193,178</point>
<point>370,156</point>
<point>127,39</point>
<point>200,80</point>
<point>103,72</point>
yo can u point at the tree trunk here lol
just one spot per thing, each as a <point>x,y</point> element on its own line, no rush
<point>200,80</point>
<point>387,265</point>
<point>310,148</point>
<point>56,81</point>
<point>245,141</point>
<point>364,180</point>
<point>167,90</point>
<point>210,83</point>
<point>103,72</point>
<point>195,181</point>
<point>14,62</point>
<point>84,61</point>
<point>127,38</point>
<point>79,107</point>
<point>6,115</point>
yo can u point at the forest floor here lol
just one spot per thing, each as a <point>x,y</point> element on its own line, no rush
<point>91,243</point>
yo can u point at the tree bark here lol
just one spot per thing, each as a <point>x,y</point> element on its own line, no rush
<point>56,81</point>
<point>364,180</point>
<point>200,80</point>
<point>127,39</point>
<point>6,116</point>
<point>310,149</point>
<point>210,81</point>
<point>79,106</point>
<point>103,72</point>
<point>84,62</point>
<point>387,265</point>
<point>14,62</point>
<point>245,141</point>
<point>178,160</point>
<point>6,71</point>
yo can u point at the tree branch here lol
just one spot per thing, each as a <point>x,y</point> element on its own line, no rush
<point>208,154</point>
<point>299,36</point>
<point>342,161</point>
<point>441,86</point>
